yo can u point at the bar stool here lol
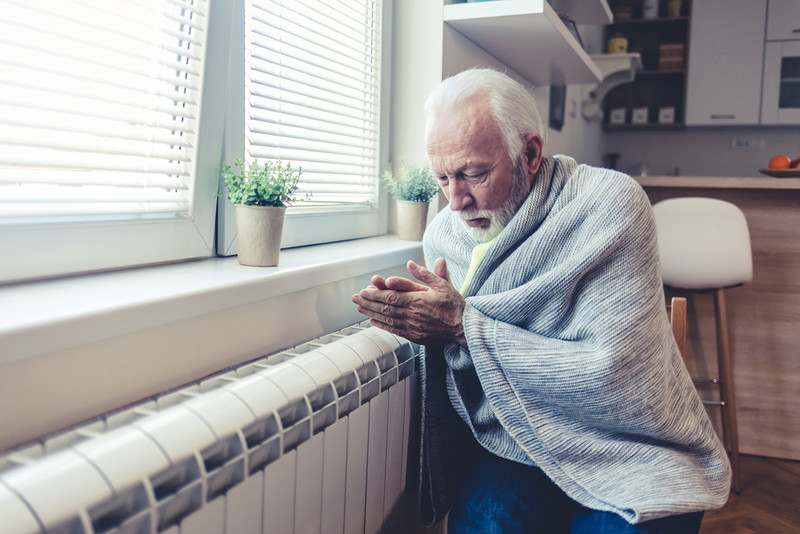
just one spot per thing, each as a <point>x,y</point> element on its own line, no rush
<point>704,246</point>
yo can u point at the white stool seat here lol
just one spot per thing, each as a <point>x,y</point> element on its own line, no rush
<point>703,243</point>
<point>704,246</point>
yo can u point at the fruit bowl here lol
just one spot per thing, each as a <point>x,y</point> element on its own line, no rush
<point>781,173</point>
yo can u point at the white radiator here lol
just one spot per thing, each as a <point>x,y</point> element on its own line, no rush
<point>309,440</point>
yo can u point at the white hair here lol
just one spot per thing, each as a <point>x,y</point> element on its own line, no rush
<point>512,106</point>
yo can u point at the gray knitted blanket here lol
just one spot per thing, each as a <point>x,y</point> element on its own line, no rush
<point>575,359</point>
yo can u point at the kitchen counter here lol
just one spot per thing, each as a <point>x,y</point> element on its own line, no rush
<point>719,182</point>
<point>763,315</point>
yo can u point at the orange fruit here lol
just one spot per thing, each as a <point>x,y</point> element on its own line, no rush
<point>779,162</point>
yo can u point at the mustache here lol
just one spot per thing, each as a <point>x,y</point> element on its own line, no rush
<point>473,213</point>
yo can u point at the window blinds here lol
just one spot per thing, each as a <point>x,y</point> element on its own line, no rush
<point>98,108</point>
<point>312,94</point>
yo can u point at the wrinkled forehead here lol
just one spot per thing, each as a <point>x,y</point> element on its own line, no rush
<point>463,122</point>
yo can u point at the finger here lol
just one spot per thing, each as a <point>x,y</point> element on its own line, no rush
<point>398,283</point>
<point>440,269</point>
<point>377,315</point>
<point>378,282</point>
<point>424,275</point>
<point>383,302</point>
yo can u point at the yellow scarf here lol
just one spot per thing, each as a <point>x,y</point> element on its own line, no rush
<point>477,255</point>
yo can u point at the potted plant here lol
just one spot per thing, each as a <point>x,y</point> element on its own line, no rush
<point>413,187</point>
<point>260,194</point>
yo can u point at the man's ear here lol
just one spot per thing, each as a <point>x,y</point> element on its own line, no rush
<point>532,156</point>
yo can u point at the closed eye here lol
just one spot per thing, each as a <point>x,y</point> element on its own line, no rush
<point>474,178</point>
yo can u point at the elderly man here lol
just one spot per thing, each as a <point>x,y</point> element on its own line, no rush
<point>554,398</point>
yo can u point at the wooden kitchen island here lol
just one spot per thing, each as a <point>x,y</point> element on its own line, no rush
<point>764,315</point>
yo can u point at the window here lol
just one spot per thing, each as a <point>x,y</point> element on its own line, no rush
<point>115,117</point>
<point>309,80</point>
<point>101,118</point>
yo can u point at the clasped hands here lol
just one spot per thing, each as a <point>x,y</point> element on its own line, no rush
<point>428,313</point>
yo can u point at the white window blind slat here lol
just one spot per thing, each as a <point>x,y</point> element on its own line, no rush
<point>126,75</point>
<point>55,162</point>
<point>312,94</point>
<point>347,28</point>
<point>354,165</point>
<point>79,178</point>
<point>139,108</point>
<point>301,44</point>
<point>272,112</point>
<point>79,212</point>
<point>68,111</point>
<point>98,127</point>
<point>298,140</point>
<point>288,93</point>
<point>72,141</point>
<point>333,70</point>
<point>98,103</point>
<point>355,154</point>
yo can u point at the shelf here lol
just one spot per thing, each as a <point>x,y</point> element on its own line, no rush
<point>647,73</point>
<point>643,127</point>
<point>719,182</point>
<point>585,12</point>
<point>610,63</point>
<point>527,36</point>
<point>644,22</point>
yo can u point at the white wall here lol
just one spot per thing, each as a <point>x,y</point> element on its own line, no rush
<point>578,138</point>
<point>425,51</point>
<point>702,151</point>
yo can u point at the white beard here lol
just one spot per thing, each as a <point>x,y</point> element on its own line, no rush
<point>500,217</point>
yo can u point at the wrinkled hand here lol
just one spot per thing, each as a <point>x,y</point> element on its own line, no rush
<point>428,313</point>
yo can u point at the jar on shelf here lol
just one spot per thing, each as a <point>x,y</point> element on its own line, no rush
<point>618,44</point>
<point>650,9</point>
<point>674,8</point>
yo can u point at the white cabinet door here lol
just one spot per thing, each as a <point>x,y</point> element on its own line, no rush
<point>725,55</point>
<point>783,20</point>
<point>780,99</point>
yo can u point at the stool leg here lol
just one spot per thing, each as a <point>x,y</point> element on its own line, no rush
<point>730,430</point>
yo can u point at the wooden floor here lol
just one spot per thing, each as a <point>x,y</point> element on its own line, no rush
<point>769,502</point>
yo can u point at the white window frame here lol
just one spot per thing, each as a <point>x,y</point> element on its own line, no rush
<point>34,251</point>
<point>301,226</point>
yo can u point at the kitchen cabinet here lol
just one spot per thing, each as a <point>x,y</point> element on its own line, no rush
<point>783,20</point>
<point>529,36</point>
<point>655,98</point>
<point>780,90</point>
<point>725,60</point>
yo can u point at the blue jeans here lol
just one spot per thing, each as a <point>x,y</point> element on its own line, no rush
<point>504,497</point>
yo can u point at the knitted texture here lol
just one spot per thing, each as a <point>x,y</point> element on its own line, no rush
<point>571,360</point>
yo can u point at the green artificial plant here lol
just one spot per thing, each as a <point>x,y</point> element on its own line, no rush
<point>271,184</point>
<point>412,183</point>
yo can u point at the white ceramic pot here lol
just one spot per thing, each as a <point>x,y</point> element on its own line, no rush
<point>411,219</point>
<point>258,234</point>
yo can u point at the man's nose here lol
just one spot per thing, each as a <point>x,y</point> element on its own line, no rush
<point>458,194</point>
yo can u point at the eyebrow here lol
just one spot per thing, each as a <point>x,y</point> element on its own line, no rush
<point>483,166</point>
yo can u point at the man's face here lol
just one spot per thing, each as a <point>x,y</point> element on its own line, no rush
<point>467,154</point>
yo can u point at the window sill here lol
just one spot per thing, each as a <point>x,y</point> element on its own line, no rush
<point>73,348</point>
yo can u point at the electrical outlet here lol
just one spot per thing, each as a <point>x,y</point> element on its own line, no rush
<point>747,143</point>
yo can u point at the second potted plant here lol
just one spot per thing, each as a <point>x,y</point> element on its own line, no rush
<point>260,194</point>
<point>413,187</point>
